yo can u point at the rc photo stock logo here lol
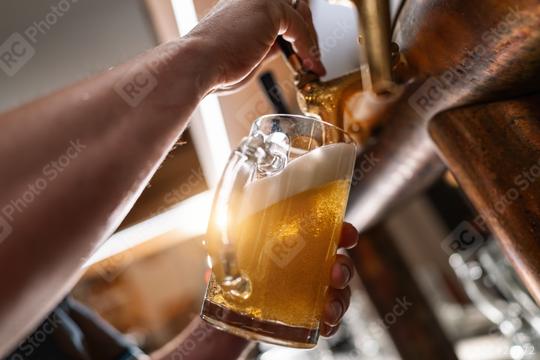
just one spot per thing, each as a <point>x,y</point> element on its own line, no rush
<point>17,50</point>
<point>430,97</point>
<point>464,240</point>
<point>5,229</point>
<point>282,252</point>
<point>34,189</point>
<point>135,85</point>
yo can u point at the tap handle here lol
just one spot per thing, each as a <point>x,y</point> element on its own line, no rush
<point>302,75</point>
<point>292,58</point>
<point>285,46</point>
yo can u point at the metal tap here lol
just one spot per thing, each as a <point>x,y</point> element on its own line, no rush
<point>355,101</point>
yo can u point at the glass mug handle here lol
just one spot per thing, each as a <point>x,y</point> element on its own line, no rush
<point>258,155</point>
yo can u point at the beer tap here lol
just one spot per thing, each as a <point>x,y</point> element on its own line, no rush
<point>376,45</point>
<point>355,101</point>
<point>324,99</point>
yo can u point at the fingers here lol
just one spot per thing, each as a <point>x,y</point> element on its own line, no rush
<point>327,330</point>
<point>349,236</point>
<point>274,50</point>
<point>342,272</point>
<point>305,11</point>
<point>231,89</point>
<point>336,306</point>
<point>297,31</point>
<point>339,294</point>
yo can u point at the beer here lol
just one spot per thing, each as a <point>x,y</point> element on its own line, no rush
<point>286,236</point>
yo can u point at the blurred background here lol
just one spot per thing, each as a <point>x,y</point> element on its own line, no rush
<point>149,279</point>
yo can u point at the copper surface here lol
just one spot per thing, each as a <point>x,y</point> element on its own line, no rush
<point>436,38</point>
<point>494,152</point>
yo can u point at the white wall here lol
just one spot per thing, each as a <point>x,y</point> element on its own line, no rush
<point>338,33</point>
<point>90,36</point>
<point>337,27</point>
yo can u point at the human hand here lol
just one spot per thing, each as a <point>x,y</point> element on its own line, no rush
<point>239,34</point>
<point>339,294</point>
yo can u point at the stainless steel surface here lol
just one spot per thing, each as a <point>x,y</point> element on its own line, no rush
<point>492,285</point>
<point>401,163</point>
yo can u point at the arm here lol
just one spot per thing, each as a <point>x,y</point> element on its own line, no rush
<point>74,162</point>
<point>77,161</point>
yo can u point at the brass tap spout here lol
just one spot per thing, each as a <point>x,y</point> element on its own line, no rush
<point>341,101</point>
<point>375,57</point>
<point>325,99</point>
<point>328,100</point>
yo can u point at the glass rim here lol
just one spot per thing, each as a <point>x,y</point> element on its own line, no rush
<point>307,117</point>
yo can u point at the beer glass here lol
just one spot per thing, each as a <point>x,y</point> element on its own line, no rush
<point>275,227</point>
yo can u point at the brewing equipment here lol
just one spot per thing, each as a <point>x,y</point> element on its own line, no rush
<point>482,58</point>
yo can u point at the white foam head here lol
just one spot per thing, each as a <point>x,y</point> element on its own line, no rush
<point>309,171</point>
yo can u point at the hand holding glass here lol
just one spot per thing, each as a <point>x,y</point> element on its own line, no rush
<point>274,229</point>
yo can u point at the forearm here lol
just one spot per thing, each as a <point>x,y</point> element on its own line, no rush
<point>200,341</point>
<point>74,163</point>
